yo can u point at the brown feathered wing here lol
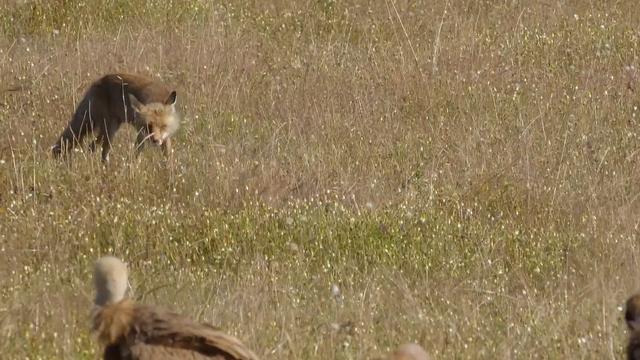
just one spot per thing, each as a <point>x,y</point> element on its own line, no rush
<point>139,332</point>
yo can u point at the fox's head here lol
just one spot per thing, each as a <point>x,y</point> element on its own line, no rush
<point>160,118</point>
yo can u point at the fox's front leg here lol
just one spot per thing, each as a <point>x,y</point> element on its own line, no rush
<point>106,137</point>
<point>166,148</point>
<point>140,142</point>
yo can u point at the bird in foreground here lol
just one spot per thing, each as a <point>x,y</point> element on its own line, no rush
<point>410,351</point>
<point>632,317</point>
<point>131,331</point>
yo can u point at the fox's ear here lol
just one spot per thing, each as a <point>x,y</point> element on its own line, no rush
<point>135,103</point>
<point>171,100</point>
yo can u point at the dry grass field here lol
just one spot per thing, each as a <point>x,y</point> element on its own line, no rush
<point>467,173</point>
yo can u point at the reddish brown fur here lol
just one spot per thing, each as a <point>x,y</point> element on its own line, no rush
<point>107,105</point>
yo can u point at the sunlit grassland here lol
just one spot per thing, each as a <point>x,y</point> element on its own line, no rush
<point>465,172</point>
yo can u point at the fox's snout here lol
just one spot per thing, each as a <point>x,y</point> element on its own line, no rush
<point>158,138</point>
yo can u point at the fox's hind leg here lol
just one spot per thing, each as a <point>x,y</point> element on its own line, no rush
<point>93,145</point>
<point>73,134</point>
<point>105,137</point>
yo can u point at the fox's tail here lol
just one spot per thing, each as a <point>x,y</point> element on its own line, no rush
<point>78,127</point>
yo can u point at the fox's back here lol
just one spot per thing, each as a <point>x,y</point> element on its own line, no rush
<point>117,86</point>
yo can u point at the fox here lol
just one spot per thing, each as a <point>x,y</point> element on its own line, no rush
<point>120,98</point>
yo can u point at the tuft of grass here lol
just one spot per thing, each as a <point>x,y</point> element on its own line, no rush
<point>39,17</point>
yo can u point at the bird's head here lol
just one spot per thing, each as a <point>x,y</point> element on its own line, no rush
<point>110,279</point>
